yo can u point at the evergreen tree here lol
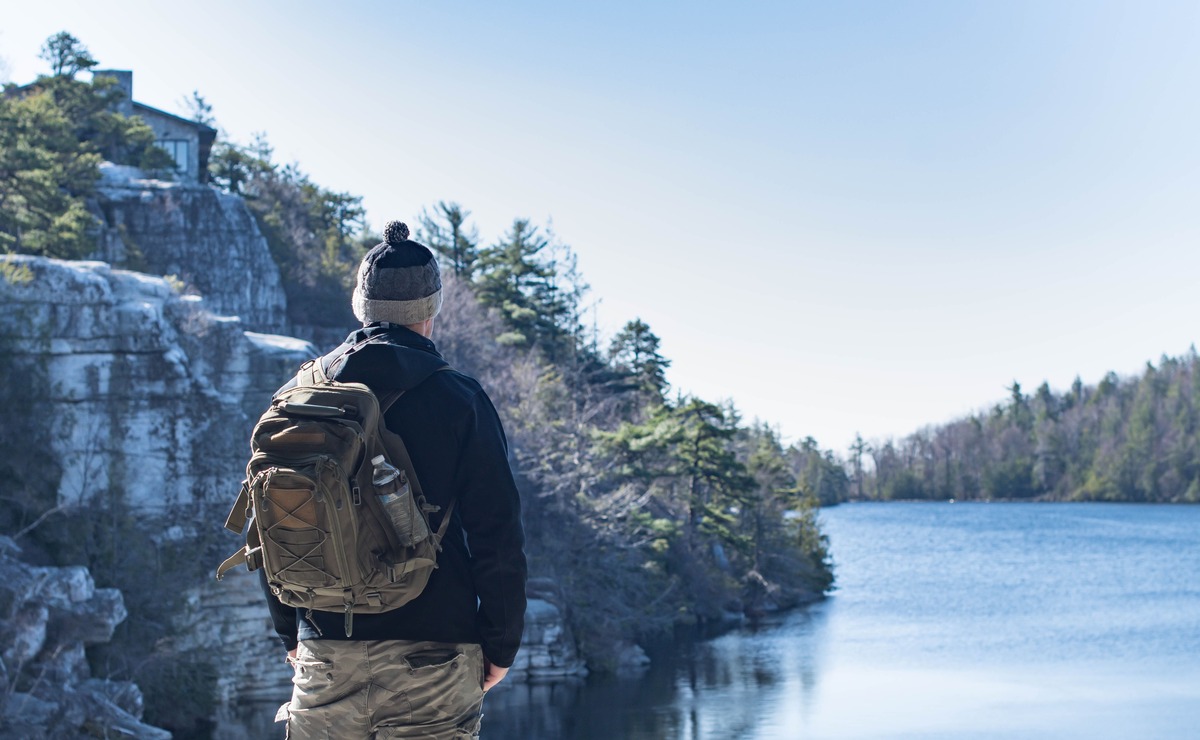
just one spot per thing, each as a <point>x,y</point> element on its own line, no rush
<point>66,55</point>
<point>45,174</point>
<point>557,299</point>
<point>53,136</point>
<point>199,109</point>
<point>509,273</point>
<point>856,455</point>
<point>232,167</point>
<point>716,483</point>
<point>635,350</point>
<point>444,230</point>
<point>818,473</point>
<point>1019,407</point>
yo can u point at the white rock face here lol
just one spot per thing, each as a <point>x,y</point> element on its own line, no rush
<point>137,391</point>
<point>146,391</point>
<point>206,238</point>
<point>230,620</point>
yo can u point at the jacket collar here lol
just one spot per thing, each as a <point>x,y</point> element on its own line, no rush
<point>395,334</point>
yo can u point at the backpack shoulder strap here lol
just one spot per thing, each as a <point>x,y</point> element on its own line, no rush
<point>441,531</point>
<point>339,359</point>
<point>311,373</point>
<point>401,451</point>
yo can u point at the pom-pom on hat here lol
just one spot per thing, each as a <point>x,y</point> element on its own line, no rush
<point>398,281</point>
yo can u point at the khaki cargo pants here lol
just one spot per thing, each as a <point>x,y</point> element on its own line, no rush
<point>346,689</point>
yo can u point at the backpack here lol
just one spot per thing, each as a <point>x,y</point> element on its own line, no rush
<point>316,525</point>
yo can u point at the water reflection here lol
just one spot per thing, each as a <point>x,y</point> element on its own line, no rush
<point>731,686</point>
<point>727,687</point>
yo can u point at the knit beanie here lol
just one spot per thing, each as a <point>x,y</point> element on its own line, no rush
<point>398,281</point>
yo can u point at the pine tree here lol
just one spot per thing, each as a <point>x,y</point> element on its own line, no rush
<point>53,136</point>
<point>509,273</point>
<point>715,481</point>
<point>558,298</point>
<point>856,455</point>
<point>818,473</point>
<point>444,229</point>
<point>635,350</point>
<point>45,173</point>
<point>67,55</point>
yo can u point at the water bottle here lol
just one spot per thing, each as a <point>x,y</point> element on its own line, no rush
<point>395,494</point>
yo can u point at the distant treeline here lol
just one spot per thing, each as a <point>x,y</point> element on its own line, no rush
<point>1124,439</point>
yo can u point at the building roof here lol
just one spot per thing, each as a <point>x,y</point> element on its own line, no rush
<point>204,129</point>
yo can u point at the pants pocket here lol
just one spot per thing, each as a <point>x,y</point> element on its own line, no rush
<point>442,684</point>
<point>432,658</point>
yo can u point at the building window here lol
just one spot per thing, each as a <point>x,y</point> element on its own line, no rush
<point>178,149</point>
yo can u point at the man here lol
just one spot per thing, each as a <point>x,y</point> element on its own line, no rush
<point>419,671</point>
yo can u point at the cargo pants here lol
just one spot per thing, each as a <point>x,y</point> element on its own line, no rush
<point>349,689</point>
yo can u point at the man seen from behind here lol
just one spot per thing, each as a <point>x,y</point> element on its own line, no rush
<point>421,670</point>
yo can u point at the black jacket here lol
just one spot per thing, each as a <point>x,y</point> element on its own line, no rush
<point>458,448</point>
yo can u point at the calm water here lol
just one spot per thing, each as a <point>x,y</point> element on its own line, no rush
<point>950,621</point>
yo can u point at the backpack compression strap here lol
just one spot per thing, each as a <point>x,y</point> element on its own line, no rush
<point>249,556</point>
<point>395,574</point>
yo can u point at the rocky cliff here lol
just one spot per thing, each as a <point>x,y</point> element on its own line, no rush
<point>140,389</point>
<point>207,239</point>
<point>129,399</point>
<point>128,402</point>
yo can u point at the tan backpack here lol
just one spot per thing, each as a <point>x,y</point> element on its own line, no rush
<point>317,526</point>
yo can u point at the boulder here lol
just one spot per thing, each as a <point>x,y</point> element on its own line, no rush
<point>49,614</point>
<point>547,647</point>
<point>629,656</point>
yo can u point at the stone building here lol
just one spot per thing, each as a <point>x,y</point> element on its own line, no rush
<point>188,142</point>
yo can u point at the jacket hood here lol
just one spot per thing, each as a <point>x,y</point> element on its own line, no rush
<point>398,357</point>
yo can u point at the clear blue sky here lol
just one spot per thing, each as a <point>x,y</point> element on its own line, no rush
<point>859,216</point>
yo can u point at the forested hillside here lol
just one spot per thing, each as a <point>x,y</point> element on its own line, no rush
<point>645,507</point>
<point>1124,439</point>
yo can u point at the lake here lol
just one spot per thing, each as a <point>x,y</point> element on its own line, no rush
<point>949,621</point>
